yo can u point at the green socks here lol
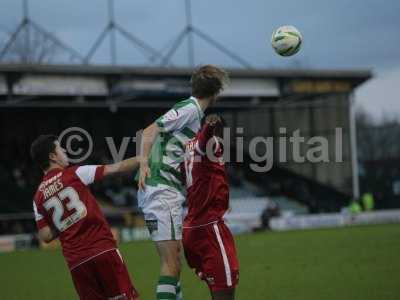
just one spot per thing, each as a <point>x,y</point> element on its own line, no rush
<point>167,288</point>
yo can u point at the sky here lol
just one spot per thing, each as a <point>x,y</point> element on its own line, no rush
<point>340,34</point>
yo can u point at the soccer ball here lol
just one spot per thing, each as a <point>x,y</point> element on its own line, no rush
<point>286,40</point>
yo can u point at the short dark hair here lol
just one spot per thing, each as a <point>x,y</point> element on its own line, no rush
<point>219,128</point>
<point>41,149</point>
<point>208,81</point>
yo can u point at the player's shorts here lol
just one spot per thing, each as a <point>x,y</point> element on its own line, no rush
<point>210,250</point>
<point>163,212</point>
<point>104,277</point>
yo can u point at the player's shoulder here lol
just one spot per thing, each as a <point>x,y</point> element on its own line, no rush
<point>187,106</point>
<point>38,196</point>
<point>187,103</point>
<point>180,108</point>
<point>70,171</point>
<point>82,174</point>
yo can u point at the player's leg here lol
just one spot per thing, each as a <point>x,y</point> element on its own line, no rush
<point>168,284</point>
<point>221,266</point>
<point>179,293</point>
<point>168,245</point>
<point>114,277</point>
<point>162,209</point>
<point>193,241</point>
<point>223,295</point>
<point>202,254</point>
<point>86,283</point>
<point>169,253</point>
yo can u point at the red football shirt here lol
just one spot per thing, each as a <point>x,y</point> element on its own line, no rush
<point>206,180</point>
<point>65,203</point>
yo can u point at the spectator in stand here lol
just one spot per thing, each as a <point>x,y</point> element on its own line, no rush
<point>272,210</point>
<point>368,201</point>
<point>355,207</point>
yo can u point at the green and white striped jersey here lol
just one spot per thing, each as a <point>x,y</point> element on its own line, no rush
<point>177,126</point>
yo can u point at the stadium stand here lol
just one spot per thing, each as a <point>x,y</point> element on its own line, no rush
<point>118,101</point>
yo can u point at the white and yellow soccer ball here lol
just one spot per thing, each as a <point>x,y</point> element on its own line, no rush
<point>286,40</point>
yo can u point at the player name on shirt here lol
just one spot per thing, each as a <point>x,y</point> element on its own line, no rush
<point>52,186</point>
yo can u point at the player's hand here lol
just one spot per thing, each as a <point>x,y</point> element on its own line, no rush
<point>212,120</point>
<point>144,172</point>
<point>201,275</point>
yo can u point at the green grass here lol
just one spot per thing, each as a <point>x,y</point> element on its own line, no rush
<point>352,263</point>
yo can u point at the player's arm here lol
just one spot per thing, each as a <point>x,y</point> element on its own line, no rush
<point>148,137</point>
<point>207,132</point>
<point>47,234</point>
<point>123,167</point>
<point>92,173</point>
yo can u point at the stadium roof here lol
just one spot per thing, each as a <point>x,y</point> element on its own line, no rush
<point>361,75</point>
<point>79,85</point>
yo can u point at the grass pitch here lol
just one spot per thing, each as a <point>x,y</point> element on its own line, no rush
<point>351,263</point>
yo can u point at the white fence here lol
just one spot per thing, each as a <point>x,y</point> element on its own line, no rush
<point>240,221</point>
<point>334,220</point>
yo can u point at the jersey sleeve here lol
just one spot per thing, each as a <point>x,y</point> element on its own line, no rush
<point>39,218</point>
<point>206,133</point>
<point>177,118</point>
<point>90,174</point>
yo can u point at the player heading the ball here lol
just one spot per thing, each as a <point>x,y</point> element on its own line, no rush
<point>161,185</point>
<point>208,244</point>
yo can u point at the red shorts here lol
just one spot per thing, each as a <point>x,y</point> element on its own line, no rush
<point>210,250</point>
<point>104,277</point>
